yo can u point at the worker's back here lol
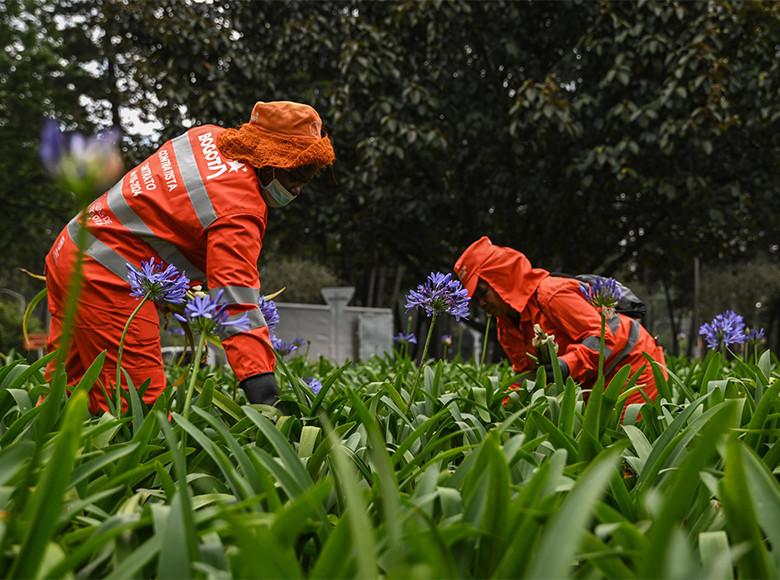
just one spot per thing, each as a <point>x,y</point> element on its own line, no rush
<point>163,206</point>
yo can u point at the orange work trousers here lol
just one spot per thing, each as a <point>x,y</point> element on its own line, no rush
<point>104,306</point>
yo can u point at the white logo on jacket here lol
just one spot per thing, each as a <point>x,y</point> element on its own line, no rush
<point>57,249</point>
<point>167,167</point>
<point>213,159</point>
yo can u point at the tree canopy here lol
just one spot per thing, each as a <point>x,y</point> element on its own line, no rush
<point>606,137</point>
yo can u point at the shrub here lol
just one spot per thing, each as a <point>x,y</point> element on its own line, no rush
<point>302,278</point>
<point>10,326</point>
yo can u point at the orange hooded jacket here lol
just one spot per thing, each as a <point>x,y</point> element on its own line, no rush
<point>185,205</point>
<point>194,203</point>
<point>559,307</point>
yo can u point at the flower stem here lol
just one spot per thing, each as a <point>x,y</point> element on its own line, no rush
<point>601,345</point>
<point>422,362</point>
<point>194,376</point>
<point>485,341</point>
<point>120,352</point>
<point>405,346</point>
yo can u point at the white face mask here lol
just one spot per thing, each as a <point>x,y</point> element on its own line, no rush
<point>275,194</point>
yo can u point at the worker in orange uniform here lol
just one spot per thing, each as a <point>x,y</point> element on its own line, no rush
<point>503,282</point>
<point>200,203</point>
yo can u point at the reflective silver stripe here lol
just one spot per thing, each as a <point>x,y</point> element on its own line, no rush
<point>614,323</point>
<point>100,252</point>
<point>256,320</point>
<point>633,337</point>
<point>592,342</point>
<point>136,226</point>
<point>193,182</point>
<point>237,294</point>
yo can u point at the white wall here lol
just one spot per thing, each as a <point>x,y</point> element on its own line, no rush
<point>335,330</point>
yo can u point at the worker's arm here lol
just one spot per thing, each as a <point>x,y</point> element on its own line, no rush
<point>581,322</point>
<point>233,249</point>
<point>516,345</point>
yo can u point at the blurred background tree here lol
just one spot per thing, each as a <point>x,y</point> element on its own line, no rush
<point>624,138</point>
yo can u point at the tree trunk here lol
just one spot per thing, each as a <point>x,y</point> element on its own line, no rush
<point>692,335</point>
<point>672,321</point>
<point>399,274</point>
<point>371,284</point>
<point>380,288</point>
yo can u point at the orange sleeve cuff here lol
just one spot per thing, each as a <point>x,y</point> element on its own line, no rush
<point>250,353</point>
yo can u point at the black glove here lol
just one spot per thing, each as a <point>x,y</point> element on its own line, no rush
<point>548,370</point>
<point>261,389</point>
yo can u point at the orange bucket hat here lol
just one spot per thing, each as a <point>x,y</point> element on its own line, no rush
<point>279,134</point>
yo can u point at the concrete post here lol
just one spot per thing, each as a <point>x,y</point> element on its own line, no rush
<point>337,299</point>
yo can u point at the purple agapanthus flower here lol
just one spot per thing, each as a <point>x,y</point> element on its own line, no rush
<point>78,157</point>
<point>284,348</point>
<point>726,329</point>
<point>270,312</point>
<point>206,314</point>
<point>314,384</point>
<point>439,294</point>
<point>603,293</point>
<point>161,283</point>
<point>402,338</point>
<point>446,339</point>
<point>755,334</point>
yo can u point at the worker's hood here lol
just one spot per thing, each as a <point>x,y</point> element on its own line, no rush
<point>507,271</point>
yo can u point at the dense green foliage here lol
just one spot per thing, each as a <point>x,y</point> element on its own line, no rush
<point>609,137</point>
<point>346,483</point>
<point>601,136</point>
<point>10,326</point>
